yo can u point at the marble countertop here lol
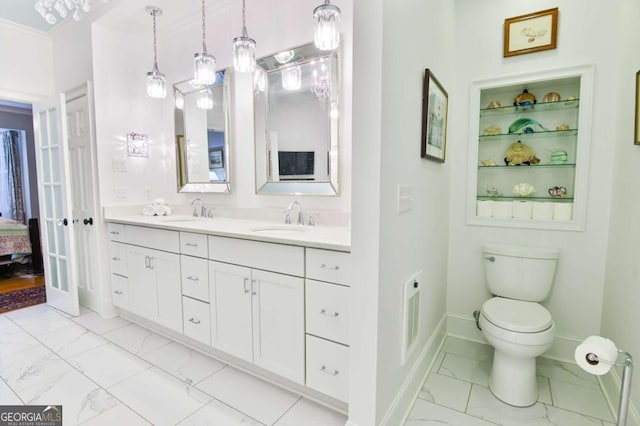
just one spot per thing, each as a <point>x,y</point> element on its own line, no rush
<point>322,237</point>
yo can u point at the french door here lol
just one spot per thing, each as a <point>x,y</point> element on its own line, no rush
<point>58,242</point>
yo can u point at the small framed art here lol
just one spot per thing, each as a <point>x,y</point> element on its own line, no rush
<point>434,118</point>
<point>530,33</point>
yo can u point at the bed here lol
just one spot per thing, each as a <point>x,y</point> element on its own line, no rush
<point>15,242</point>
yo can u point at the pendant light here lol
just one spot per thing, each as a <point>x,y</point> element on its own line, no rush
<point>326,26</point>
<point>244,48</point>
<point>204,64</point>
<point>156,81</point>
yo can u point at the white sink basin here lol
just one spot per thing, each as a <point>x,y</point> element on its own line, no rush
<point>280,228</point>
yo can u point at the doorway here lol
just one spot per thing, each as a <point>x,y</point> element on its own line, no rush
<point>21,270</point>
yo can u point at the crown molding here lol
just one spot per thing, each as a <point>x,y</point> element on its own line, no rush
<point>13,26</point>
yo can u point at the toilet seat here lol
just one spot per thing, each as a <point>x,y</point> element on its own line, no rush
<point>517,315</point>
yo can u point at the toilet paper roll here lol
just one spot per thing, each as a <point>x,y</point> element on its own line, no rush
<point>562,211</point>
<point>484,208</point>
<point>542,211</point>
<point>502,209</point>
<point>522,209</point>
<point>603,348</point>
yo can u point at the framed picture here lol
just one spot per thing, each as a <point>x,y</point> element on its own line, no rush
<point>636,139</point>
<point>216,159</point>
<point>531,33</point>
<point>434,118</point>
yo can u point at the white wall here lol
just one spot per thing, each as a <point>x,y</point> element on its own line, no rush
<point>620,314</point>
<point>26,73</point>
<point>576,298</point>
<point>397,245</point>
<point>120,62</point>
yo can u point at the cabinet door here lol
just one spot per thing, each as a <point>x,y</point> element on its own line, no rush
<point>143,296</point>
<point>230,303</point>
<point>169,292</point>
<point>278,324</point>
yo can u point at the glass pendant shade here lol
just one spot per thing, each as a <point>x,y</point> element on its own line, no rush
<point>178,99</point>
<point>156,84</point>
<point>204,69</point>
<point>292,78</point>
<point>244,54</point>
<point>326,26</point>
<point>259,79</point>
<point>205,99</point>
<point>156,81</point>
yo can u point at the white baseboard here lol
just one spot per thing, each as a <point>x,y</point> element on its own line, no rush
<point>401,406</point>
<point>611,384</point>
<point>465,328</point>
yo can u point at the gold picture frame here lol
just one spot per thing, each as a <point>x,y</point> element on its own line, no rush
<point>530,33</point>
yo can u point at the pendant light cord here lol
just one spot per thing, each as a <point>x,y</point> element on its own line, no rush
<point>244,26</point>
<point>204,27</point>
<point>155,43</point>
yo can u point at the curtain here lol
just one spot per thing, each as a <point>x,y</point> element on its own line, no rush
<point>12,175</point>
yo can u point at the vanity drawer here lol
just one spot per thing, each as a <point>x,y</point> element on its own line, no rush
<point>327,367</point>
<point>118,258</point>
<point>195,277</point>
<point>330,266</point>
<point>193,244</point>
<point>268,256</point>
<point>197,324</point>
<point>159,239</point>
<point>327,310</point>
<point>116,232</point>
<point>120,291</point>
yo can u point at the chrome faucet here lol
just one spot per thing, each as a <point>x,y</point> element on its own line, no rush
<point>196,212</point>
<point>287,219</point>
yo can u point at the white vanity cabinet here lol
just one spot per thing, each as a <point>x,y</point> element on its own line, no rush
<point>281,307</point>
<point>154,275</point>
<point>118,265</point>
<point>327,321</point>
<point>258,315</point>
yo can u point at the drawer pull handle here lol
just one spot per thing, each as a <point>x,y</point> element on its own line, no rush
<point>116,258</point>
<point>192,278</point>
<point>114,233</point>
<point>331,373</point>
<point>191,244</point>
<point>118,292</point>
<point>194,321</point>
<point>246,289</point>
<point>332,315</point>
<point>333,268</point>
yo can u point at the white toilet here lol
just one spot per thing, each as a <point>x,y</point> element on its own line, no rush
<point>513,322</point>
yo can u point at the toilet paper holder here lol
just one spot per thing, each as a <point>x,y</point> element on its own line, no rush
<point>625,392</point>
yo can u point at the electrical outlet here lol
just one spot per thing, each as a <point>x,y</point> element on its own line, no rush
<point>121,194</point>
<point>147,193</point>
<point>119,164</point>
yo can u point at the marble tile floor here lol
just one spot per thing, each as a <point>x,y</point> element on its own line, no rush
<point>113,372</point>
<point>456,393</point>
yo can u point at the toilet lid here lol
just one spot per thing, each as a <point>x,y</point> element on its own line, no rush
<point>517,315</point>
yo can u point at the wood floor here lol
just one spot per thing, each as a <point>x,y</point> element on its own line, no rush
<point>12,284</point>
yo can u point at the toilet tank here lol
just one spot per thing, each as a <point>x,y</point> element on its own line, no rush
<point>519,272</point>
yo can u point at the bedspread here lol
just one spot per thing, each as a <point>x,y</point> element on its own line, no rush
<point>14,237</point>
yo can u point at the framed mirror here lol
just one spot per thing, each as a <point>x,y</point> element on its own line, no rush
<point>202,135</point>
<point>296,122</point>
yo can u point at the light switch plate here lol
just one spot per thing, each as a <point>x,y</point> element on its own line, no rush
<point>405,198</point>
<point>121,194</point>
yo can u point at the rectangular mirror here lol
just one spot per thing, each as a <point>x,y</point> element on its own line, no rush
<point>202,137</point>
<point>296,122</point>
